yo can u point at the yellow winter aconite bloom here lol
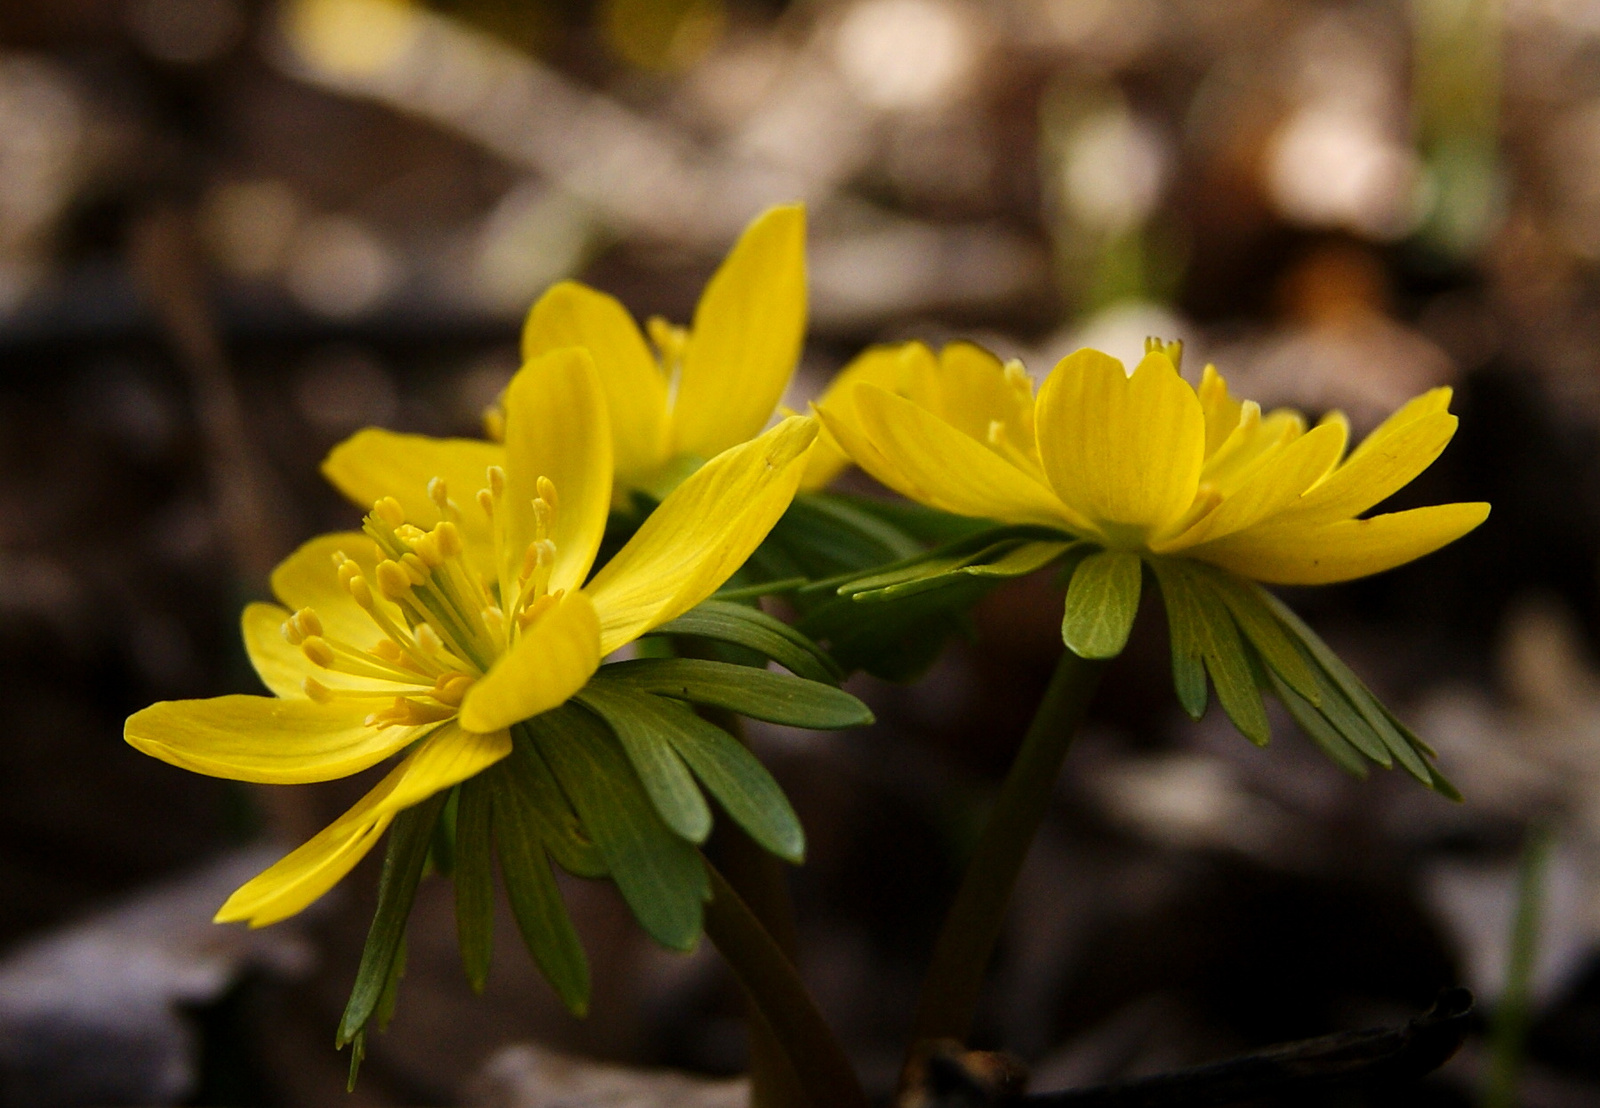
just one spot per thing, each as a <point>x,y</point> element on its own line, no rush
<point>1146,463</point>
<point>449,620</point>
<point>701,390</point>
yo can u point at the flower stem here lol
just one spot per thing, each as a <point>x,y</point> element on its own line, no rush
<point>950,990</point>
<point>778,993</point>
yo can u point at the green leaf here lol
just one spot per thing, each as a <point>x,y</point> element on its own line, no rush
<point>409,837</point>
<point>1187,635</point>
<point>1230,667</point>
<point>1316,725</point>
<point>1020,560</point>
<point>896,640</point>
<point>569,844</point>
<point>754,629</point>
<point>474,879</point>
<point>664,776</point>
<point>541,916</point>
<point>774,697</point>
<point>735,777</point>
<point>659,874</point>
<point>1272,642</point>
<point>1101,603</point>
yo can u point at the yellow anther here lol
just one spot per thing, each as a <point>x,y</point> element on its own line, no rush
<point>408,533</point>
<point>539,555</point>
<point>415,568</point>
<point>451,687</point>
<point>389,510</point>
<point>669,339</point>
<point>347,570</point>
<point>306,619</point>
<point>359,590</point>
<point>428,639</point>
<point>486,501</point>
<point>541,516</point>
<point>393,582</point>
<point>448,536</point>
<point>318,652</point>
<point>495,620</point>
<point>1017,377</point>
<point>997,431</point>
<point>292,633</point>
<point>439,493</point>
<point>546,489</point>
<point>533,611</point>
<point>494,424</point>
<point>316,690</point>
<point>427,549</point>
<point>387,650</point>
<point>497,482</point>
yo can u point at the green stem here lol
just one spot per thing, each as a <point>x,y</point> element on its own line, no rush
<point>1508,1035</point>
<point>775,987</point>
<point>950,990</point>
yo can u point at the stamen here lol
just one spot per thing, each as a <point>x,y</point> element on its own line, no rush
<point>451,688</point>
<point>439,493</point>
<point>318,652</point>
<point>415,568</point>
<point>547,492</point>
<point>389,510</point>
<point>1017,377</point>
<point>448,536</point>
<point>428,640</point>
<point>486,501</point>
<point>393,582</point>
<point>316,690</point>
<point>997,432</point>
<point>497,482</point>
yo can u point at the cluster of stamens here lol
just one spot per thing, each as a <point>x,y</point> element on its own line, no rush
<point>443,622</point>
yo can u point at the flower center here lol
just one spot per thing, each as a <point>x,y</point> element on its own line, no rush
<point>443,623</point>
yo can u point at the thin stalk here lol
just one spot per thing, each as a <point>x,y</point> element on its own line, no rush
<point>781,997</point>
<point>1508,1034</point>
<point>950,990</point>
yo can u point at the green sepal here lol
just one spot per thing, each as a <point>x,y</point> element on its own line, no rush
<point>409,837</point>
<point>564,835</point>
<point>633,719</point>
<point>753,629</point>
<point>1185,628</point>
<point>520,839</point>
<point>757,693</point>
<point>660,875</point>
<point>474,879</point>
<point>734,776</point>
<point>1317,727</point>
<point>1102,601</point>
<point>1228,663</point>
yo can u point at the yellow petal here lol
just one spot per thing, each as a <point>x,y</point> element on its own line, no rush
<point>1390,458</point>
<point>746,337</point>
<point>308,578</point>
<point>283,668</point>
<point>375,463</point>
<point>1342,551</point>
<point>843,425</point>
<point>264,738</point>
<point>1123,451</point>
<point>971,392</point>
<point>551,660</point>
<point>557,426</point>
<point>700,534</point>
<point>936,464</point>
<point>448,756</point>
<point>1268,489</point>
<point>571,314</point>
<point>888,367</point>
<point>1221,410</point>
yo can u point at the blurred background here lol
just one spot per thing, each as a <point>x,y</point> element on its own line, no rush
<point>234,231</point>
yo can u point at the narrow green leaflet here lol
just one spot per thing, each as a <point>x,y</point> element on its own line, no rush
<point>1276,646</point>
<point>1315,725</point>
<point>735,777</point>
<point>1232,674</point>
<point>660,875</point>
<point>902,637</point>
<point>1184,627</point>
<point>638,727</point>
<point>755,630</point>
<point>409,837</point>
<point>474,879</point>
<point>535,897</point>
<point>774,697</point>
<point>569,844</point>
<point>1102,601</point>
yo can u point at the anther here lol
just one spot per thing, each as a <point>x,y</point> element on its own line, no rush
<point>997,431</point>
<point>494,424</point>
<point>393,582</point>
<point>439,493</point>
<point>316,690</point>
<point>415,568</point>
<point>532,612</point>
<point>292,633</point>
<point>541,516</point>
<point>308,623</point>
<point>448,537</point>
<point>389,510</point>
<point>497,482</point>
<point>451,688</point>
<point>318,652</point>
<point>427,548</point>
<point>486,501</point>
<point>428,639</point>
<point>547,492</point>
<point>360,591</point>
<point>387,650</point>
<point>1017,377</point>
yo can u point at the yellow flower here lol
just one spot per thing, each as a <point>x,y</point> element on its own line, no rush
<point>448,621</point>
<point>1145,463</point>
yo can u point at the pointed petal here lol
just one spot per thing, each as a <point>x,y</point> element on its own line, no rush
<point>557,426</point>
<point>308,578</point>
<point>1268,490</point>
<point>971,392</point>
<point>701,533</point>
<point>571,314</point>
<point>1119,449</point>
<point>889,367</point>
<point>448,756</point>
<point>1390,458</point>
<point>551,660</point>
<point>375,463</point>
<point>264,738</point>
<point>1342,551</point>
<point>1221,410</point>
<point>746,337</point>
<point>941,467</point>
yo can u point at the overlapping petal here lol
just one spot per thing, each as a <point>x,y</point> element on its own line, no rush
<point>306,579</point>
<point>892,368</point>
<point>745,339</point>
<point>551,660</point>
<point>1125,452</point>
<point>265,738</point>
<point>449,755</point>
<point>572,314</point>
<point>700,534</point>
<point>557,426</point>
